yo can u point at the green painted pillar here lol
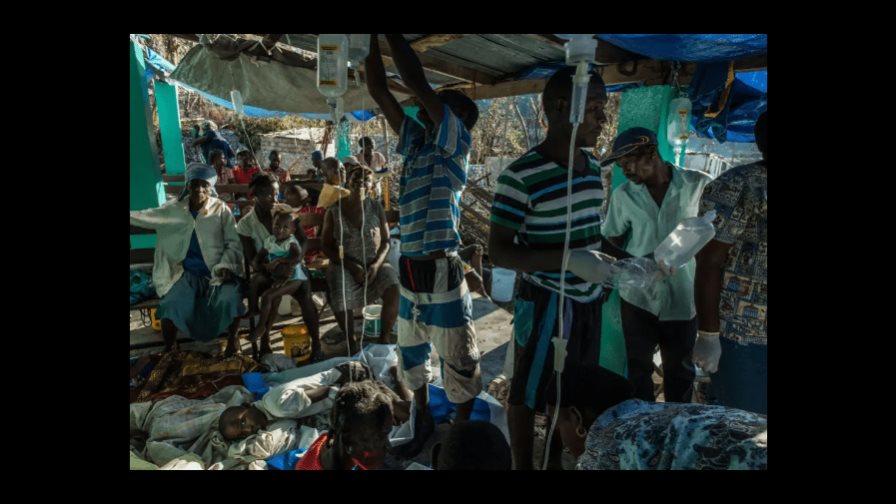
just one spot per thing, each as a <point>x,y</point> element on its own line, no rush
<point>147,190</point>
<point>645,107</point>
<point>169,124</point>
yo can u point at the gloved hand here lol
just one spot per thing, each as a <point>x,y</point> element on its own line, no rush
<point>707,350</point>
<point>665,269</point>
<point>591,265</point>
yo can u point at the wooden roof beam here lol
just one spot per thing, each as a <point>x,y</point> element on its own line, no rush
<point>427,42</point>
<point>442,67</point>
<point>646,71</point>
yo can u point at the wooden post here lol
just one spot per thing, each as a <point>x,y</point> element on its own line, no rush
<point>385,138</point>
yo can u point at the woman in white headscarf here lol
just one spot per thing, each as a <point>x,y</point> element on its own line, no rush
<point>198,262</point>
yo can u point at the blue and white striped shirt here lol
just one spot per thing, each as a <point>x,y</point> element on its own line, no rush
<point>434,174</point>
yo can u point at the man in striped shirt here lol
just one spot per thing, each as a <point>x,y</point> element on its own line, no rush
<point>435,306</point>
<point>528,227</point>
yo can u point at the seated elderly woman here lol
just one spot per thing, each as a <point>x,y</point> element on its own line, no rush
<point>198,262</point>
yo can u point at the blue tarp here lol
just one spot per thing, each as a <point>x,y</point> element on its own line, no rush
<point>747,100</point>
<point>691,47</point>
<point>713,52</point>
<point>155,64</point>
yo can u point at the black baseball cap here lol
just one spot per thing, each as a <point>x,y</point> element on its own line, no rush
<point>629,141</point>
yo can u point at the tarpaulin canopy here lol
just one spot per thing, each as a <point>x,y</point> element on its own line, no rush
<point>156,65</point>
<point>691,47</point>
<point>270,86</point>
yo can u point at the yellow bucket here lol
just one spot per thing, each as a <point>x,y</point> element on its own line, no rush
<point>156,323</point>
<point>297,342</point>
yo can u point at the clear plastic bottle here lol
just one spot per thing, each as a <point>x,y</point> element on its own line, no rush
<point>237,99</point>
<point>686,240</point>
<point>332,64</point>
<point>678,125</point>
<point>358,49</point>
<point>677,121</point>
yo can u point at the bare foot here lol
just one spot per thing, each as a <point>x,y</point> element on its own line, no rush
<point>231,349</point>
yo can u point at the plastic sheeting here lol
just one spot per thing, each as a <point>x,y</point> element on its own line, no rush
<point>156,65</point>
<point>691,47</point>
<point>270,86</point>
<point>747,100</point>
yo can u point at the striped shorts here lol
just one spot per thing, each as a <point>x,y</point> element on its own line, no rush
<point>436,309</point>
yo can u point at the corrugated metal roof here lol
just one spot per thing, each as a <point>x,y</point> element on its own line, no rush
<point>500,56</point>
<point>495,65</point>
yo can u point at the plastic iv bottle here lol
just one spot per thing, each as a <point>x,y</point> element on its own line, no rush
<point>580,52</point>
<point>686,240</point>
<point>677,121</point>
<point>358,48</point>
<point>677,126</point>
<point>332,64</point>
<point>237,100</point>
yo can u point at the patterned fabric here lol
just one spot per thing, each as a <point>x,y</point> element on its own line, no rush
<point>636,434</point>
<point>194,375</point>
<point>740,198</point>
<point>530,198</point>
<point>433,176</point>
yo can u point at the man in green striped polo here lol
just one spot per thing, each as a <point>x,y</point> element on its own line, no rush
<point>528,224</point>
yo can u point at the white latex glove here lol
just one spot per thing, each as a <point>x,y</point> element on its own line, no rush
<point>591,265</point>
<point>665,269</point>
<point>707,351</point>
